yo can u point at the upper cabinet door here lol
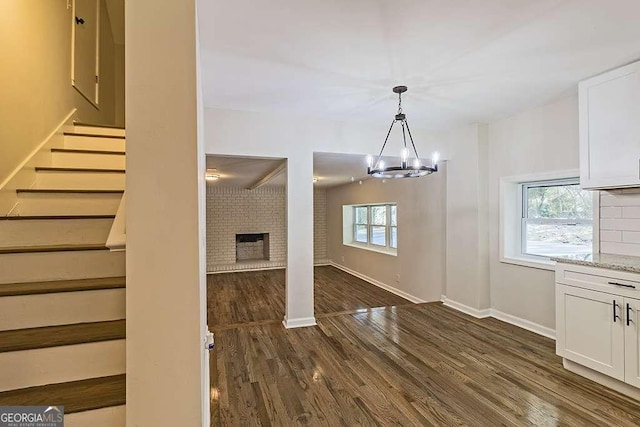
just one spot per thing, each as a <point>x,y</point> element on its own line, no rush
<point>610,129</point>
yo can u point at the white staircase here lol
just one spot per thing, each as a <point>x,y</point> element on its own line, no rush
<point>62,292</point>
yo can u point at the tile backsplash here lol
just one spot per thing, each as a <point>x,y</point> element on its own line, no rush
<point>620,222</point>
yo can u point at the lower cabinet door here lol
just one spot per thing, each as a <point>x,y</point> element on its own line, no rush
<point>590,329</point>
<point>632,341</point>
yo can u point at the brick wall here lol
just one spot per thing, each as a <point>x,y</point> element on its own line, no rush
<point>232,211</point>
<point>620,222</point>
<point>320,252</point>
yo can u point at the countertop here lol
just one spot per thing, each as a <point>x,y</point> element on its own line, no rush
<point>612,262</point>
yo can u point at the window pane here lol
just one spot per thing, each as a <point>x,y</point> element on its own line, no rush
<point>361,234</point>
<point>379,236</point>
<point>379,215</point>
<point>558,239</point>
<point>361,215</point>
<point>394,237</point>
<point>394,215</point>
<point>559,202</point>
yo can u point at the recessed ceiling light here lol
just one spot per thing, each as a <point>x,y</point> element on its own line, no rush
<point>315,179</point>
<point>212,177</point>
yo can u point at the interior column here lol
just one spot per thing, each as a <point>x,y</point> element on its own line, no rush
<point>299,284</point>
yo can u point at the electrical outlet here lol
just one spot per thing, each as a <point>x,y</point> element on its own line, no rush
<point>342,258</point>
<point>398,278</point>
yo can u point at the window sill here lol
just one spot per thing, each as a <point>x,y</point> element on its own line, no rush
<point>542,264</point>
<point>372,249</point>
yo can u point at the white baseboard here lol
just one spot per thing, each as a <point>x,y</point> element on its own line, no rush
<point>301,322</point>
<point>379,284</point>
<point>480,314</point>
<point>524,324</point>
<point>245,270</point>
<point>508,318</point>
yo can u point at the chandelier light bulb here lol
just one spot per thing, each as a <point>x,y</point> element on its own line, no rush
<point>435,158</point>
<point>404,154</point>
<point>416,163</point>
<point>381,164</point>
<point>369,161</point>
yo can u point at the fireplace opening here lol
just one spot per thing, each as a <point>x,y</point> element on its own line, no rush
<point>251,247</point>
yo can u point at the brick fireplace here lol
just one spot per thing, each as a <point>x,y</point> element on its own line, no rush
<point>252,247</point>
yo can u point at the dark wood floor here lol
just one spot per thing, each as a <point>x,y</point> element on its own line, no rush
<point>258,296</point>
<point>419,364</point>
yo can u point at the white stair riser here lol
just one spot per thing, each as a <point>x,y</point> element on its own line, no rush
<point>80,180</point>
<point>85,160</point>
<point>29,368</point>
<point>98,131</point>
<point>63,308</point>
<point>43,266</point>
<point>68,204</point>
<point>53,231</point>
<point>114,416</point>
<point>91,143</point>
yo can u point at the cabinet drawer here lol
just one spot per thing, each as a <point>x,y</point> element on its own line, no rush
<point>599,279</point>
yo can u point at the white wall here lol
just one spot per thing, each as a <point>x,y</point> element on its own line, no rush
<point>542,139</point>
<point>467,217</point>
<point>35,76</point>
<point>419,267</point>
<point>167,364</point>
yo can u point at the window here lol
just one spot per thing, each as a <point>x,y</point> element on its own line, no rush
<point>373,227</point>
<point>557,218</point>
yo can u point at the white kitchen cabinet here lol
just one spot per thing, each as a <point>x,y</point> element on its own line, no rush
<point>632,341</point>
<point>610,129</point>
<point>587,331</point>
<point>598,324</point>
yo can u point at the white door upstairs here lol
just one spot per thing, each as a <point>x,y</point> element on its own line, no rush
<point>610,129</point>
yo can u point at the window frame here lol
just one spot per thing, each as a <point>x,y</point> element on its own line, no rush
<point>523,188</point>
<point>369,245</point>
<point>509,222</point>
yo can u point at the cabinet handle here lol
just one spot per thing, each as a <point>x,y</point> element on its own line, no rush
<point>615,311</point>
<point>624,285</point>
<point>628,314</point>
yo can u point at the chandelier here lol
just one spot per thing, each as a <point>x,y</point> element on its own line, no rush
<point>405,169</point>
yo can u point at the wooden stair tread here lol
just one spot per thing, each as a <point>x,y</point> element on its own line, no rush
<point>91,170</point>
<point>56,336</point>
<point>97,125</point>
<point>44,217</point>
<point>90,135</point>
<point>66,191</point>
<point>75,396</point>
<point>36,288</point>
<point>83,151</point>
<point>52,248</point>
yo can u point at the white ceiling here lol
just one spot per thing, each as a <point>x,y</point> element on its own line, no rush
<point>242,172</point>
<point>463,60</point>
<point>331,170</point>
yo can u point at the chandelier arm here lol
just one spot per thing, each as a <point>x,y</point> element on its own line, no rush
<point>411,139</point>
<point>384,145</point>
